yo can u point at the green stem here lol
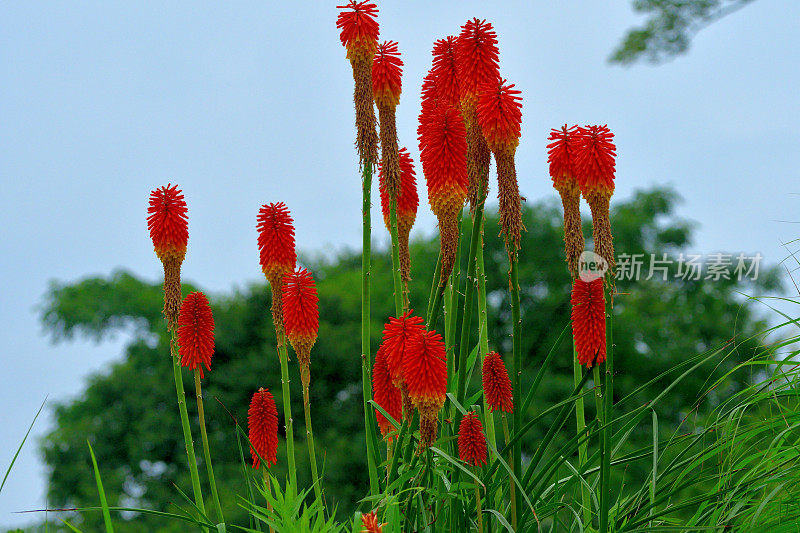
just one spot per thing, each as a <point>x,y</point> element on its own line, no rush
<point>598,402</point>
<point>512,490</point>
<point>283,355</point>
<point>451,310</point>
<point>483,336</point>
<point>399,300</point>
<point>187,432</point>
<point>268,489</point>
<point>478,510</point>
<point>366,354</point>
<point>312,455</point>
<point>580,416</point>
<point>608,396</point>
<point>517,344</point>
<point>206,450</point>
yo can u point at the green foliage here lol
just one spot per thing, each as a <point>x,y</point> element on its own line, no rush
<point>130,417</point>
<point>670,27</point>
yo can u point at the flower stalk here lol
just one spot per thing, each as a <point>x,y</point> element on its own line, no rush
<point>206,450</point>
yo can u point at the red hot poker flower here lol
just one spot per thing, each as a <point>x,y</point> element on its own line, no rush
<point>477,58</point>
<point>358,28</point>
<point>407,199</point>
<point>262,421</point>
<point>561,157</point>
<point>589,321</point>
<point>168,223</point>
<point>301,316</point>
<point>387,72</point>
<point>496,384</point>
<point>445,71</point>
<point>385,393</point>
<point>276,241</point>
<point>594,159</point>
<point>471,441</point>
<point>397,334</point>
<point>370,523</point>
<point>196,332</point>
<point>561,154</point>
<point>425,375</point>
<point>500,115</point>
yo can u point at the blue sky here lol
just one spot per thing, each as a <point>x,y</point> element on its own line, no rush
<point>249,102</point>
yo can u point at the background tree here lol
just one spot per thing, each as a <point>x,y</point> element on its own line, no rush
<point>128,413</point>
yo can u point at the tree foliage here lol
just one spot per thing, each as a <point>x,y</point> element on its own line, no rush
<point>128,413</point>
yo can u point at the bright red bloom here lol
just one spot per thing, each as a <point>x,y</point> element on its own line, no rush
<point>477,57</point>
<point>370,523</point>
<point>262,421</point>
<point>196,332</point>
<point>167,222</point>
<point>276,240</point>
<point>396,337</point>
<point>445,72</point>
<point>589,321</point>
<point>425,369</point>
<point>387,74</point>
<point>407,199</point>
<point>300,308</point>
<point>471,441</point>
<point>561,153</point>
<point>496,384</point>
<point>358,28</point>
<point>443,152</point>
<point>385,393</point>
<point>595,159</point>
<point>500,115</point>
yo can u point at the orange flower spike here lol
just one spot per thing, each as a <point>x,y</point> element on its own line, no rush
<point>477,59</point>
<point>589,321</point>
<point>396,335</point>
<point>425,374</point>
<point>443,154</point>
<point>359,34</point>
<point>445,71</point>
<point>387,72</point>
<point>407,203</point>
<point>471,440</point>
<point>196,332</point>
<point>500,118</point>
<point>561,158</point>
<point>169,230</point>
<point>595,166</point>
<point>301,316</point>
<point>496,384</point>
<point>262,423</point>
<point>370,523</point>
<point>385,393</point>
<point>276,241</point>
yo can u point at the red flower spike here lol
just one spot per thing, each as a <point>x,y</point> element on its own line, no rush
<point>196,332</point>
<point>589,321</point>
<point>385,393</point>
<point>471,440</point>
<point>595,160</point>
<point>443,152</point>
<point>407,199</point>
<point>276,240</point>
<point>370,523</point>
<point>561,153</point>
<point>168,223</point>
<point>500,115</point>
<point>396,338</point>
<point>496,384</point>
<point>387,73</point>
<point>358,28</point>
<point>301,312</point>
<point>425,369</point>
<point>477,58</point>
<point>262,421</point>
<point>445,71</point>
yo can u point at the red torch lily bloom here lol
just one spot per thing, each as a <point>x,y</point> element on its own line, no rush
<point>589,321</point>
<point>301,316</point>
<point>385,393</point>
<point>387,72</point>
<point>425,375</point>
<point>595,165</point>
<point>561,154</point>
<point>396,335</point>
<point>471,440</point>
<point>359,34</point>
<point>169,230</point>
<point>445,71</point>
<point>196,332</point>
<point>371,524</point>
<point>277,254</point>
<point>262,421</point>
<point>407,203</point>
<point>500,117</point>
<point>496,384</point>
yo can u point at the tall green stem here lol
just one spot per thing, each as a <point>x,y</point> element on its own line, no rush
<point>517,344</point>
<point>512,490</point>
<point>206,450</point>
<point>483,337</point>
<point>580,417</point>
<point>451,309</point>
<point>187,432</point>
<point>312,453</point>
<point>366,354</point>
<point>283,356</point>
<point>608,406</point>
<point>399,299</point>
